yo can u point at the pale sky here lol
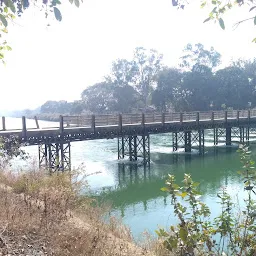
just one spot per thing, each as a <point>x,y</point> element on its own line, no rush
<point>59,61</point>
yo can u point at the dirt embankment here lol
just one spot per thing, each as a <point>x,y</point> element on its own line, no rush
<point>43,218</point>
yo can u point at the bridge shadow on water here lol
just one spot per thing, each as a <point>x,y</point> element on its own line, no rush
<point>140,184</point>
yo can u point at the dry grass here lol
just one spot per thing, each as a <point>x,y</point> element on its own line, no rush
<point>45,215</point>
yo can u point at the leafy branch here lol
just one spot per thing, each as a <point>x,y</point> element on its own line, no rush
<point>230,233</point>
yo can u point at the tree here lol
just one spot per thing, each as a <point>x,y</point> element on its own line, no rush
<point>106,97</point>
<point>147,64</point>
<point>198,89</point>
<point>99,98</point>
<point>249,68</point>
<point>127,99</point>
<point>76,107</point>
<point>10,9</point>
<point>168,82</point>
<point>140,74</point>
<point>55,107</point>
<point>234,89</point>
<point>123,73</point>
<point>196,56</point>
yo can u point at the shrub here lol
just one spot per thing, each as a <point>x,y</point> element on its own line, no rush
<point>233,232</point>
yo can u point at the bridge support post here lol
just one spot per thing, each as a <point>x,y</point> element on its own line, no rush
<point>241,134</point>
<point>174,141</point>
<point>247,134</point>
<point>187,141</point>
<point>215,136</point>
<point>55,157</point>
<point>219,133</point>
<point>134,147</point>
<point>228,136</point>
<point>201,142</point>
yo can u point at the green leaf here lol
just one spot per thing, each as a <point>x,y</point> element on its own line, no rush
<point>183,234</point>
<point>254,40</point>
<point>196,184</point>
<point>162,233</point>
<point>203,4</point>
<point>8,48</point>
<point>57,14</point>
<point>221,22</point>
<point>183,194</point>
<point>11,6</point>
<point>165,189</point>
<point>77,3</point>
<point>207,19</point>
<point>254,20</point>
<point>3,20</point>
<point>214,10</point>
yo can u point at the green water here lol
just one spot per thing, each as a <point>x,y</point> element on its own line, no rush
<point>142,205</point>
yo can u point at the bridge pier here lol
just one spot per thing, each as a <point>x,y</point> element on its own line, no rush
<point>55,156</point>
<point>135,147</point>
<point>247,134</point>
<point>201,142</point>
<point>241,129</point>
<point>188,140</point>
<point>218,133</point>
<point>228,136</point>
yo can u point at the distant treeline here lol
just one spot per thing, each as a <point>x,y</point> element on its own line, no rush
<point>145,84</point>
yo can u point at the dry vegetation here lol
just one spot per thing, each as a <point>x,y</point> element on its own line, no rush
<point>44,215</point>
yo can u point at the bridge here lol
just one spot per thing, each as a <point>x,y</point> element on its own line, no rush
<point>133,133</point>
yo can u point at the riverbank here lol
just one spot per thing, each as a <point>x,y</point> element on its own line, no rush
<point>46,117</point>
<point>45,215</point>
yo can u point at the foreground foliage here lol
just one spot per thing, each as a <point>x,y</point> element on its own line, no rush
<point>230,233</point>
<point>10,147</point>
<point>219,9</point>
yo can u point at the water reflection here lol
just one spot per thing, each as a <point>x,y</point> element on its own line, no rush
<point>140,184</point>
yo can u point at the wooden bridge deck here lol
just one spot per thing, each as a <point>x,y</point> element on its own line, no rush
<point>78,128</point>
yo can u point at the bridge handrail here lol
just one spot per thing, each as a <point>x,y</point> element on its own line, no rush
<point>92,121</point>
<point>146,118</point>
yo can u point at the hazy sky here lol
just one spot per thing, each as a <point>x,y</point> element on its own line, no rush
<point>58,61</point>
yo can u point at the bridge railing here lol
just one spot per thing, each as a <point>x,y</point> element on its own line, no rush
<point>172,117</point>
<point>92,121</point>
<point>147,118</point>
<point>253,113</point>
<point>205,115</point>
<point>189,116</point>
<point>103,120</point>
<point>77,121</point>
<point>131,119</point>
<point>153,118</point>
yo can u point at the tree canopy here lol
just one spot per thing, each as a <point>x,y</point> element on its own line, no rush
<point>143,83</point>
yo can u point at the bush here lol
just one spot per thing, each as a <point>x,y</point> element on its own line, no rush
<point>233,232</point>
